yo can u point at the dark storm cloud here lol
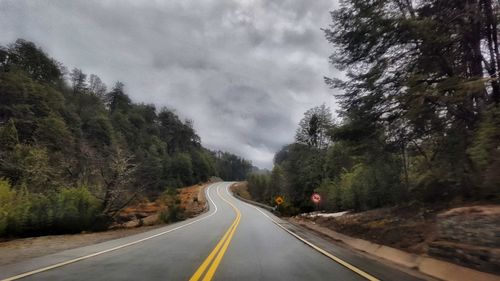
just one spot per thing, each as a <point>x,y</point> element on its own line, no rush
<point>244,71</point>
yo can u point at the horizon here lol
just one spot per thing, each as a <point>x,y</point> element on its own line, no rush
<point>261,65</point>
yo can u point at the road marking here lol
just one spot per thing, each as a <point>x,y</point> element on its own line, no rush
<point>317,248</point>
<point>211,256</point>
<point>220,249</point>
<point>26,274</point>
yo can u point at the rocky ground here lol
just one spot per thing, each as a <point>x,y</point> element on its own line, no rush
<point>191,201</point>
<point>468,235</point>
<point>409,228</point>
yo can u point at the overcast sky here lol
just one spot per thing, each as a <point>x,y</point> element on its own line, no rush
<point>244,71</point>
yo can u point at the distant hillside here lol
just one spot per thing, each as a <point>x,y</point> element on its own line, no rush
<point>73,152</point>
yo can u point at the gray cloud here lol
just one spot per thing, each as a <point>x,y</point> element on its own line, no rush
<point>244,71</point>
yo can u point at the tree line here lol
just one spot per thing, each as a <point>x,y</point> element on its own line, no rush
<point>73,153</point>
<point>419,117</point>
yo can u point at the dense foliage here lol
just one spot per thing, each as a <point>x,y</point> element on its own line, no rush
<point>73,153</point>
<point>419,112</point>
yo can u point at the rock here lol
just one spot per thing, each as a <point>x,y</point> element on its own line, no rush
<point>151,220</point>
<point>477,225</point>
<point>469,236</point>
<point>481,258</point>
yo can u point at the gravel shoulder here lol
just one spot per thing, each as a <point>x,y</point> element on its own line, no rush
<point>26,248</point>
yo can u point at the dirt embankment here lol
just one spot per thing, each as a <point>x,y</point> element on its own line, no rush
<point>407,228</point>
<point>241,189</point>
<point>468,236</point>
<point>192,200</point>
<point>146,214</point>
<point>188,202</point>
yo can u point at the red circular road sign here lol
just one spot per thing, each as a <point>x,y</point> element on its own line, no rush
<point>316,198</point>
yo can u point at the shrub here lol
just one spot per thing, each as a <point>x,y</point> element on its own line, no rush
<point>173,211</point>
<point>14,209</point>
<point>76,209</point>
<point>41,214</point>
<point>6,196</point>
<point>332,194</point>
<point>66,210</point>
<point>172,214</point>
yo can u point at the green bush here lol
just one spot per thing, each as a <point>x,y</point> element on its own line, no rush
<point>6,196</point>
<point>19,212</point>
<point>485,153</point>
<point>348,195</point>
<point>173,211</point>
<point>76,209</point>
<point>40,214</point>
<point>172,214</point>
<point>67,210</point>
<point>14,209</point>
<point>332,194</point>
<point>288,209</point>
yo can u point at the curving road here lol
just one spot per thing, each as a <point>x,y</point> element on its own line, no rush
<point>233,241</point>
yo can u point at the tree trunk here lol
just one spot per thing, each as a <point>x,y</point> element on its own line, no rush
<point>492,40</point>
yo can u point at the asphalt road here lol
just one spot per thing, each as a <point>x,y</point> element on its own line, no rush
<point>232,241</point>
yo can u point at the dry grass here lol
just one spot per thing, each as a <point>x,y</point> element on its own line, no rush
<point>192,199</point>
<point>241,189</point>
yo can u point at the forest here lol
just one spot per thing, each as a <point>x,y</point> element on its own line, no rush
<point>419,114</point>
<point>73,152</point>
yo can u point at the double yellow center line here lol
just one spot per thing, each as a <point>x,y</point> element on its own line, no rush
<point>215,257</point>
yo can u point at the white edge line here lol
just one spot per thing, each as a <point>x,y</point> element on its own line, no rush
<point>317,248</point>
<point>26,274</point>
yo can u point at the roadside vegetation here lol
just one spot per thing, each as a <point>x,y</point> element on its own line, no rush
<point>419,112</point>
<point>73,152</point>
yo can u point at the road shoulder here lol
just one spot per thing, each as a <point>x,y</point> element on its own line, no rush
<point>27,248</point>
<point>420,267</point>
<point>21,249</point>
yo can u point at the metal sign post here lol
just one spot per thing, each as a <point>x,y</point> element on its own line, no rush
<point>279,200</point>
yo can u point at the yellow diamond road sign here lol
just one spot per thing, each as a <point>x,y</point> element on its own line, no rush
<point>279,200</point>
